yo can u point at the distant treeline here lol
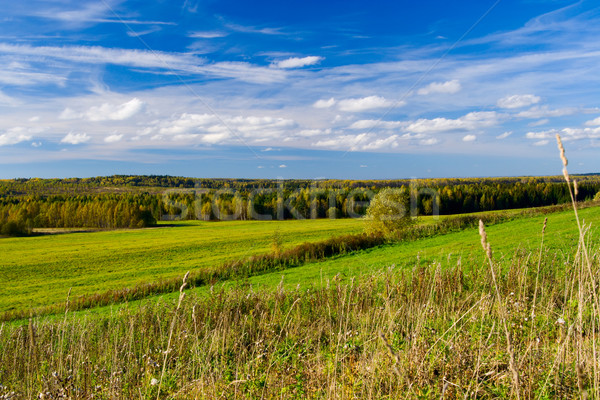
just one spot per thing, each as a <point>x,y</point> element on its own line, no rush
<point>18,216</point>
<point>138,201</point>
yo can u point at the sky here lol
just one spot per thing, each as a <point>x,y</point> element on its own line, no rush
<point>312,89</point>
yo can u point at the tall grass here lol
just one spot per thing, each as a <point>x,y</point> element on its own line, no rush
<point>443,326</point>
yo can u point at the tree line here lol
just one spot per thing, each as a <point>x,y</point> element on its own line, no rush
<point>132,202</point>
<point>20,216</point>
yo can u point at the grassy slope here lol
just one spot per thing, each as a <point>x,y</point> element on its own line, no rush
<point>40,270</point>
<point>506,238</point>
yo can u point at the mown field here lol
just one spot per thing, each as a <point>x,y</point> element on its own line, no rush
<point>37,271</point>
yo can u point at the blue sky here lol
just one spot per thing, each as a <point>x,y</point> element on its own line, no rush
<point>271,89</point>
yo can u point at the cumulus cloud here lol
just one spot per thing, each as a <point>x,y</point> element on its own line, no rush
<point>372,123</point>
<point>360,142</point>
<point>469,138</point>
<point>540,135</point>
<point>594,122</point>
<point>106,111</point>
<point>324,103</point>
<point>471,121</point>
<point>566,134</point>
<point>113,138</point>
<point>210,129</point>
<point>15,135</point>
<point>448,87</point>
<point>75,138</point>
<point>69,113</point>
<point>428,142</point>
<point>283,166</point>
<point>365,104</point>
<point>111,112</point>
<point>504,135</point>
<point>518,101</point>
<point>298,62</point>
<point>314,132</point>
<point>544,112</point>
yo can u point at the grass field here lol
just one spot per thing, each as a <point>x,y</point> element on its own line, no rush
<point>507,239</point>
<point>430,327</point>
<point>40,270</point>
<point>510,238</point>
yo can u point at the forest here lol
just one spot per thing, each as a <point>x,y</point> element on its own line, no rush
<point>140,201</point>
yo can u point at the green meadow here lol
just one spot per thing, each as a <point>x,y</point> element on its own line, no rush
<point>38,271</point>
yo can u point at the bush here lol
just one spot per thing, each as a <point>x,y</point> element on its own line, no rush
<point>597,197</point>
<point>389,211</point>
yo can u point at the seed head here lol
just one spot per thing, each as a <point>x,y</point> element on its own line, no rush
<point>562,151</point>
<point>484,243</point>
<point>545,223</point>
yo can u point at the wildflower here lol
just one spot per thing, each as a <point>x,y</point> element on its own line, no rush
<point>154,382</point>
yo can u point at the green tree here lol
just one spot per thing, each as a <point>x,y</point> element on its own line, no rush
<point>389,211</point>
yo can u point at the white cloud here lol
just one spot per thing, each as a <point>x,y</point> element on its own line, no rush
<point>113,138</point>
<point>594,122</point>
<point>471,121</point>
<point>544,111</point>
<point>297,62</point>
<point>143,59</point>
<point>324,103</point>
<point>428,142</point>
<point>567,134</point>
<point>469,138</point>
<point>518,101</point>
<point>75,138</point>
<point>15,135</point>
<point>448,87</point>
<point>365,104</point>
<point>539,122</point>
<point>36,144</point>
<point>540,135</point>
<point>360,142</point>
<point>69,113</point>
<point>283,166</point>
<point>314,132</point>
<point>110,112</point>
<point>372,123</point>
<point>504,135</point>
<point>210,129</point>
<point>541,143</point>
<point>207,34</point>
